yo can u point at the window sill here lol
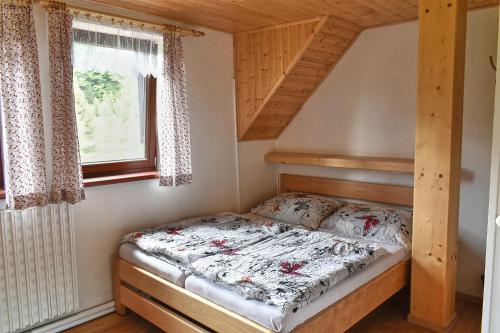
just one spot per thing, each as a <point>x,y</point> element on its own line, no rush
<point>123,178</point>
<point>108,180</point>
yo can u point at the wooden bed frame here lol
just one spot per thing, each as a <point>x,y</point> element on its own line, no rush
<point>175,309</point>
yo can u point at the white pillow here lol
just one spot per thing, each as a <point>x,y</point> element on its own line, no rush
<point>382,224</point>
<point>298,208</point>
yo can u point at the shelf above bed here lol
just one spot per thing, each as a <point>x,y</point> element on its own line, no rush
<point>342,161</point>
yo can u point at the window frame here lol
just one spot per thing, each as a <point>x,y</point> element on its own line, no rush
<point>146,167</point>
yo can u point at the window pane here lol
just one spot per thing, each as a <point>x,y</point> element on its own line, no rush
<point>111,124</point>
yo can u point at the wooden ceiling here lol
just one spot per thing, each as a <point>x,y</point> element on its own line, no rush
<point>242,15</point>
<point>278,69</point>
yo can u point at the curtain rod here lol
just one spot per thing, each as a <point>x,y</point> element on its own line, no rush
<point>122,19</point>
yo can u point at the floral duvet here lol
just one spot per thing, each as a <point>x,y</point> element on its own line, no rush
<point>291,269</point>
<point>186,241</point>
<point>272,262</point>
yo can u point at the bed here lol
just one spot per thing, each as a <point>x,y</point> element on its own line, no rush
<point>161,292</point>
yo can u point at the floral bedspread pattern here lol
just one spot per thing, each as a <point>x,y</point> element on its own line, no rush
<point>289,270</point>
<point>183,242</point>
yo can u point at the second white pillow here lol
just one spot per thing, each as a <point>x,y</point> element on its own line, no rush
<point>298,208</point>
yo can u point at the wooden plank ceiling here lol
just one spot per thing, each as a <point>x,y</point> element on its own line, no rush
<point>241,15</point>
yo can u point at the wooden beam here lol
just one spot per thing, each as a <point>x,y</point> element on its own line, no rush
<point>342,161</point>
<point>437,161</point>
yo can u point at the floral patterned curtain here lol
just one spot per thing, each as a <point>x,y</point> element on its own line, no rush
<point>67,180</point>
<point>175,147</point>
<point>22,121</point>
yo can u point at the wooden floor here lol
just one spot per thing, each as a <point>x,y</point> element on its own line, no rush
<point>390,317</point>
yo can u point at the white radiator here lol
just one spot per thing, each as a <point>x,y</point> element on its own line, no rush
<point>37,266</point>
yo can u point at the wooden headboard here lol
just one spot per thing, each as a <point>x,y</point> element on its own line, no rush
<point>390,194</point>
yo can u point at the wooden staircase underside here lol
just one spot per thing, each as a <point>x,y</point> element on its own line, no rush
<point>279,68</point>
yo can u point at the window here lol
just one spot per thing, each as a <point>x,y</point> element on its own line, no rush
<point>115,99</point>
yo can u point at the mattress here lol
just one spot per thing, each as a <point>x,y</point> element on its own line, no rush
<point>275,318</point>
<point>163,269</point>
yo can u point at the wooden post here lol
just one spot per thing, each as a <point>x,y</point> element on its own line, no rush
<point>437,161</point>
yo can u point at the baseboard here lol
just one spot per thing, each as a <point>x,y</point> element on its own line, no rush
<point>469,298</point>
<point>76,319</point>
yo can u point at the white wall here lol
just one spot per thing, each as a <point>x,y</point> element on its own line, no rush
<point>257,180</point>
<point>111,211</point>
<point>477,139</point>
<point>367,106</point>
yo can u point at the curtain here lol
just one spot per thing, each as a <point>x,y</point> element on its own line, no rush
<point>100,41</point>
<point>175,148</point>
<point>67,180</point>
<point>22,121</point>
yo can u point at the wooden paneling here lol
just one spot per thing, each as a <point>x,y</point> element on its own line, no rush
<point>305,64</point>
<point>342,161</point>
<point>437,161</point>
<point>391,194</point>
<point>242,15</point>
<point>261,59</point>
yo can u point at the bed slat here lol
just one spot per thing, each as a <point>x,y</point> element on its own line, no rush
<point>157,314</point>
